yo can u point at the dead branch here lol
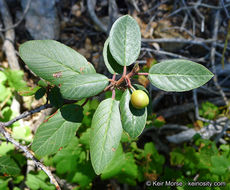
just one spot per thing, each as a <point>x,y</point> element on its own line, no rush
<point>20,20</point>
<point>174,55</point>
<point>113,13</point>
<point>197,109</point>
<point>90,6</point>
<point>180,109</point>
<point>28,154</point>
<point>27,113</point>
<point>205,132</point>
<point>8,46</point>
<point>212,56</point>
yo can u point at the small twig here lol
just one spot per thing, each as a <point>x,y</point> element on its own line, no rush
<point>85,102</point>
<point>93,16</point>
<point>212,56</point>
<point>113,13</point>
<point>118,83</point>
<point>28,154</point>
<point>197,109</point>
<point>27,113</point>
<point>113,94</point>
<point>161,52</point>
<point>5,101</point>
<point>225,9</point>
<point>20,20</point>
<point>225,44</point>
<point>192,18</point>
<point>180,109</point>
<point>8,46</point>
<point>145,74</point>
<point>219,136</point>
<point>181,29</point>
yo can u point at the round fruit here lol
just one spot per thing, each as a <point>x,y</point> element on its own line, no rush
<point>139,99</point>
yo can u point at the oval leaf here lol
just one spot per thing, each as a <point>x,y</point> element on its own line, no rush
<point>53,61</point>
<point>57,132</point>
<point>125,40</point>
<point>55,97</point>
<point>8,166</point>
<point>106,131</point>
<point>40,93</point>
<point>133,120</point>
<point>83,86</point>
<point>110,62</point>
<point>178,75</point>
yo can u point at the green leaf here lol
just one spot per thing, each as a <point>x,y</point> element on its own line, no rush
<point>28,91</point>
<point>4,183</point>
<point>140,87</point>
<point>220,165</point>
<point>3,77</point>
<point>125,40</point>
<point>57,132</point>
<point>122,167</point>
<point>8,165</point>
<point>38,181</point>
<point>55,97</point>
<point>53,61</point>
<point>40,93</point>
<point>66,158</point>
<point>83,86</point>
<point>133,120</point>
<point>4,92</point>
<point>22,132</point>
<point>15,79</point>
<point>85,138</point>
<point>110,62</point>
<point>5,147</point>
<point>178,75</point>
<point>42,83</point>
<point>106,131</point>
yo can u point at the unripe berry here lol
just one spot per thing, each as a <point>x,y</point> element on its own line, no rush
<point>139,99</point>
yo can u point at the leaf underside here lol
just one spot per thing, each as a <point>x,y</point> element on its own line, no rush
<point>106,131</point>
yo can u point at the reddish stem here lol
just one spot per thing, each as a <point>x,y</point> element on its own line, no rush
<point>128,82</point>
<point>85,102</point>
<point>146,74</point>
<point>114,77</point>
<point>113,94</point>
<point>124,71</point>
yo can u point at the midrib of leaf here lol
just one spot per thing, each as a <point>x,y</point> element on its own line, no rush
<point>67,67</point>
<point>108,124</point>
<point>51,136</point>
<point>125,42</point>
<point>89,82</point>
<point>178,75</point>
